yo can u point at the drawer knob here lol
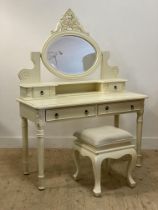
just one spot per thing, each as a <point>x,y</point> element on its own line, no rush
<point>107,108</point>
<point>86,111</point>
<point>56,115</point>
<point>132,107</point>
<point>42,92</point>
<point>115,87</point>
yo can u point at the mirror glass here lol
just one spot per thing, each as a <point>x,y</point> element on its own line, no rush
<point>71,54</point>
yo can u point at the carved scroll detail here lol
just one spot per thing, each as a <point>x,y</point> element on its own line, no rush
<point>31,75</point>
<point>69,22</point>
<point>107,71</point>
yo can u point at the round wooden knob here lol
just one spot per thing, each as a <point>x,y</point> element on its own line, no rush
<point>56,115</point>
<point>42,92</point>
<point>86,111</point>
<point>132,107</point>
<point>107,108</point>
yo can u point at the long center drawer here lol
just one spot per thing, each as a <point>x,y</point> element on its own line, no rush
<point>70,112</point>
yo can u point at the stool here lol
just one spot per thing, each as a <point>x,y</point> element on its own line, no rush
<point>106,142</point>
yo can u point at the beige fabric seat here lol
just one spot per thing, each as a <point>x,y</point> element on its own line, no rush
<point>105,135</point>
<point>103,143</point>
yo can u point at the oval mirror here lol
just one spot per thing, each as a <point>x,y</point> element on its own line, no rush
<point>70,55</point>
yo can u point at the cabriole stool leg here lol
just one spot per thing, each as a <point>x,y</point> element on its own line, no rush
<point>131,166</point>
<point>76,160</point>
<point>96,162</point>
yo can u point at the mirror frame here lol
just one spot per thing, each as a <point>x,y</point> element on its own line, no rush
<point>69,26</point>
<point>68,33</point>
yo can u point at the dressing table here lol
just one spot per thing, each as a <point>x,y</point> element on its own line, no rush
<point>72,55</point>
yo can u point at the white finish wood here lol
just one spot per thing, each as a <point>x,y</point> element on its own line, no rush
<point>71,76</point>
<point>69,22</point>
<point>131,166</point>
<point>77,164</point>
<point>40,143</point>
<point>119,107</point>
<point>28,112</point>
<point>139,136</point>
<point>66,100</point>
<point>107,71</point>
<point>69,25</point>
<point>71,112</point>
<point>50,90</point>
<point>71,106</point>
<point>98,155</point>
<point>31,75</point>
<point>40,102</point>
<point>25,145</point>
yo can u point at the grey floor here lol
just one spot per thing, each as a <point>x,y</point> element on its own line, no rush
<point>20,192</point>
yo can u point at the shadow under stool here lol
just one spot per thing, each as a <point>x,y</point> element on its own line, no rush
<point>100,143</point>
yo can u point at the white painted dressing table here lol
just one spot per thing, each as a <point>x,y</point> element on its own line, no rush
<point>49,102</point>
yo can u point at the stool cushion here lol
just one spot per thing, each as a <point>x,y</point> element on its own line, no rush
<point>101,136</point>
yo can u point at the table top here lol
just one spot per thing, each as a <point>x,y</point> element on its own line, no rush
<point>67,100</point>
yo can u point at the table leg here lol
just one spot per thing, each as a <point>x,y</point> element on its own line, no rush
<point>116,124</point>
<point>40,142</point>
<point>25,144</point>
<point>139,137</point>
<point>116,120</point>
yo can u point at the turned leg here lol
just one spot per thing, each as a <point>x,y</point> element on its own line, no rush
<point>25,145</point>
<point>76,160</point>
<point>139,136</point>
<point>40,142</point>
<point>96,163</point>
<point>116,124</point>
<point>131,166</point>
<point>116,120</point>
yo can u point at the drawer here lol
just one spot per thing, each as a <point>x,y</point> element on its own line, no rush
<point>40,92</point>
<point>120,107</point>
<point>70,112</point>
<point>116,87</point>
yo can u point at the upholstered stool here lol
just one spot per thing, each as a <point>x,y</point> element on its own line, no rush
<point>101,143</point>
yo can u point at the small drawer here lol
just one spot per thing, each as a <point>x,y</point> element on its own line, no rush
<point>116,87</point>
<point>119,107</point>
<point>113,86</point>
<point>39,92</point>
<point>70,113</point>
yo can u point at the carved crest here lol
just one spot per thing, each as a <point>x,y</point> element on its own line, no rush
<point>69,22</point>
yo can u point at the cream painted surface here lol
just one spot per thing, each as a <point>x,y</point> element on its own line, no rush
<point>128,29</point>
<point>98,155</point>
<point>88,99</point>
